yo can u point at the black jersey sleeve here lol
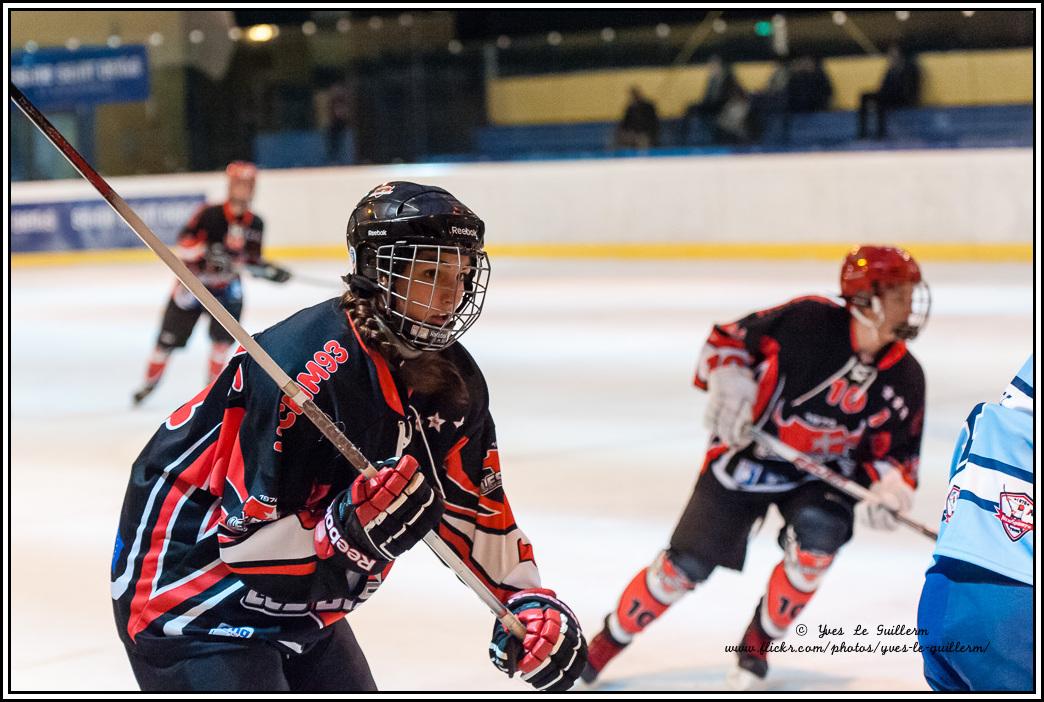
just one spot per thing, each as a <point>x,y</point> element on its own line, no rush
<point>252,248</point>
<point>276,494</point>
<point>478,523</point>
<point>894,433</point>
<point>750,340</point>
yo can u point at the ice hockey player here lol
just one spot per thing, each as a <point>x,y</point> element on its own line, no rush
<point>216,244</point>
<point>245,537</point>
<point>832,378</point>
<point>975,618</point>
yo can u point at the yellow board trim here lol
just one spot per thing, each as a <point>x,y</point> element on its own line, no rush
<point>796,251</point>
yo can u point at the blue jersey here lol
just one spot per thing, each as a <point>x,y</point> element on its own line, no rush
<point>988,517</point>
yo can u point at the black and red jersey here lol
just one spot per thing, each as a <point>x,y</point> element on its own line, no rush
<point>818,396</point>
<point>217,533</point>
<point>218,227</point>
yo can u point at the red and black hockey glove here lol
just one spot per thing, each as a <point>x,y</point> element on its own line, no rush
<point>376,520</point>
<point>553,653</point>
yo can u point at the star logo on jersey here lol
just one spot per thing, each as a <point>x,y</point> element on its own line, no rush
<point>1015,512</point>
<point>435,422</point>
<point>459,423</point>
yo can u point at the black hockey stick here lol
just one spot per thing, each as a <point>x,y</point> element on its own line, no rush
<point>832,477</point>
<point>291,389</point>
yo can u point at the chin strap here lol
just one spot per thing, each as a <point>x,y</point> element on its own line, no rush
<point>875,306</point>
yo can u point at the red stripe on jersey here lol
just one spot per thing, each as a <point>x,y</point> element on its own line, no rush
<point>142,608</point>
<point>720,338</point>
<point>295,569</point>
<point>713,453</point>
<point>170,599</point>
<point>329,618</point>
<point>384,376</point>
<point>491,514</point>
<point>228,460</point>
<point>804,298</point>
<point>770,376</point>
<point>463,549</point>
<point>894,355</point>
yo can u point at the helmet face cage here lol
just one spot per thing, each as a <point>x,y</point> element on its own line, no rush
<point>402,290</point>
<point>920,307</point>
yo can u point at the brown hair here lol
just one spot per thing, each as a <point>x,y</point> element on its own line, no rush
<point>430,373</point>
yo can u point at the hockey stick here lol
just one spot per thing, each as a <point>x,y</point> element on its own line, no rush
<point>291,389</point>
<point>832,477</point>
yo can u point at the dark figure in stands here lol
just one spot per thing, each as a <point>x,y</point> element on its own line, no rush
<point>769,106</point>
<point>723,100</point>
<point>640,126</point>
<point>901,87</point>
<point>809,88</point>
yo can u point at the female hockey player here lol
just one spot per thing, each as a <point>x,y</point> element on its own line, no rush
<point>214,244</point>
<point>245,537</point>
<point>833,378</point>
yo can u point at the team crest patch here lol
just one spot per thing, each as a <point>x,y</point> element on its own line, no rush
<point>1015,511</point>
<point>951,503</point>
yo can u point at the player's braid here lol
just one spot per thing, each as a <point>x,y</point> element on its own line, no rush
<point>429,374</point>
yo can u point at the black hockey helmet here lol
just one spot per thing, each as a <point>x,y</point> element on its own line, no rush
<point>398,224</point>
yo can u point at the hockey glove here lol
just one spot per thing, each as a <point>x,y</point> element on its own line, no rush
<point>376,520</point>
<point>553,653</point>
<point>733,391</point>
<point>270,271</point>
<point>892,493</point>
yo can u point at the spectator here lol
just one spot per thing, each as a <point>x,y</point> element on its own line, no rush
<point>901,87</point>
<point>640,126</point>
<point>723,100</point>
<point>338,112</point>
<point>771,103</point>
<point>808,89</point>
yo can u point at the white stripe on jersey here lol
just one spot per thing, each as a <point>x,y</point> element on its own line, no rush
<point>120,584</point>
<point>283,539</point>
<point>177,625</point>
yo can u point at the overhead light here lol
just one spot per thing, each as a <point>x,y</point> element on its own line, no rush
<point>406,20</point>
<point>155,39</point>
<point>308,28</point>
<point>260,33</point>
<point>554,38</point>
<point>114,41</point>
<point>902,15</point>
<point>72,43</point>
<point>503,42</point>
<point>455,47</point>
<point>840,18</point>
<point>31,46</point>
<point>343,25</point>
<point>196,36</point>
<point>235,33</point>
<point>719,25</point>
<point>663,30</point>
<point>968,13</point>
<point>376,23</point>
<point>608,34</point>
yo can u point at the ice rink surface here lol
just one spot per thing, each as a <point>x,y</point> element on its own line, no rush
<point>589,366</point>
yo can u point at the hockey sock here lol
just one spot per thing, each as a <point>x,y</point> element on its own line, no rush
<point>157,364</point>
<point>218,357</point>
<point>649,594</point>
<point>793,582</point>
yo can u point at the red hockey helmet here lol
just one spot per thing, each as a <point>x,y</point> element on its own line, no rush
<point>241,170</point>
<point>869,269</point>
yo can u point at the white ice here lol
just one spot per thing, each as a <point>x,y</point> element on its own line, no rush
<point>590,367</point>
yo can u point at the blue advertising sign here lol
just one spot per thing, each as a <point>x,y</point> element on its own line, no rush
<point>92,224</point>
<point>60,78</point>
